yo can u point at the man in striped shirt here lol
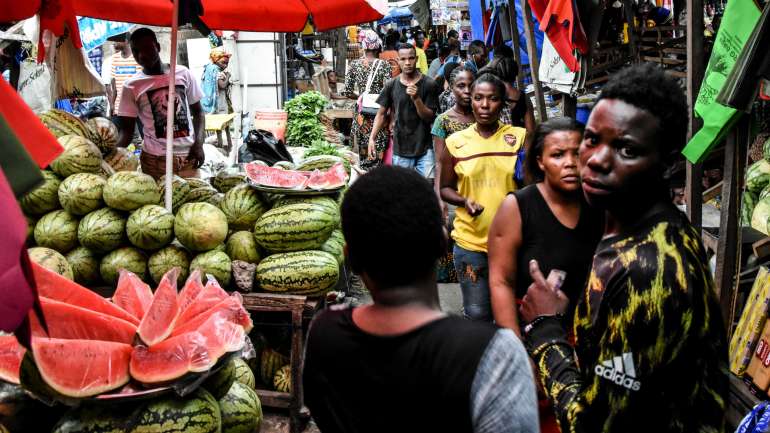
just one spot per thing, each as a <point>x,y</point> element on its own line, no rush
<point>119,67</point>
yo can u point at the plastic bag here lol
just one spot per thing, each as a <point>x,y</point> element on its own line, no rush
<point>35,85</point>
<point>263,146</point>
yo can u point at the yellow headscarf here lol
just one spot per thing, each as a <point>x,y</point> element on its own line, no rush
<point>218,54</point>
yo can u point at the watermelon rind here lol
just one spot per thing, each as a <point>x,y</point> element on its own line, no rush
<point>310,273</point>
<point>51,260</point>
<point>150,227</point>
<point>103,133</point>
<point>242,205</point>
<point>241,410</point>
<point>102,230</point>
<point>180,190</point>
<point>219,383</point>
<point>167,258</point>
<point>335,246</point>
<point>197,183</point>
<point>214,262</point>
<point>200,226</point>
<point>282,379</point>
<point>270,362</point>
<point>243,373</point>
<point>128,258</point>
<point>295,227</point>
<point>62,123</point>
<point>130,190</point>
<point>758,176</point>
<point>57,230</point>
<point>242,246</point>
<point>44,198</point>
<point>85,266</point>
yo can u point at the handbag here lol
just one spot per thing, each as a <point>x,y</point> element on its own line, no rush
<point>367,102</point>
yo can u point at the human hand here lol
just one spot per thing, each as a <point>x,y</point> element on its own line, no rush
<point>473,208</point>
<point>541,299</point>
<point>411,90</point>
<point>372,150</point>
<point>444,212</point>
<point>196,155</point>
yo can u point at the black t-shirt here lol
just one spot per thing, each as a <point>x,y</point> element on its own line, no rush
<point>411,134</point>
<point>419,381</point>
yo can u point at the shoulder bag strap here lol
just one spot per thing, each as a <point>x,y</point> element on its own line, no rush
<point>372,73</point>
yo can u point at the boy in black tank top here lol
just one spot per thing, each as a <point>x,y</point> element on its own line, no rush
<point>401,364</point>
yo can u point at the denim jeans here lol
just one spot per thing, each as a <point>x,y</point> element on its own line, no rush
<point>425,164</point>
<point>473,273</point>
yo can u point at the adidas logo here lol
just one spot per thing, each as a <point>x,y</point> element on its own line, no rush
<point>619,370</point>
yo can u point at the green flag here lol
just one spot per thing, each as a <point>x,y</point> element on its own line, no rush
<point>738,22</point>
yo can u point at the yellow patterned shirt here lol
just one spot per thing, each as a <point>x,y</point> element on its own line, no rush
<point>650,349</point>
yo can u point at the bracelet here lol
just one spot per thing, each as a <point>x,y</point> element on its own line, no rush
<point>537,320</point>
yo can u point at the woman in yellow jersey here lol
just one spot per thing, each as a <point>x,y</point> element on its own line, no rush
<point>478,169</point>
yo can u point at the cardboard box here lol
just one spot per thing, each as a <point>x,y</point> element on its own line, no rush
<point>759,367</point>
<point>751,323</point>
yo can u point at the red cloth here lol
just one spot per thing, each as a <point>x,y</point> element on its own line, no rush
<point>55,15</point>
<point>17,292</point>
<point>561,24</point>
<point>37,140</point>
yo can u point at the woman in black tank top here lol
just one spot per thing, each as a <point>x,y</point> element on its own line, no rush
<point>548,221</point>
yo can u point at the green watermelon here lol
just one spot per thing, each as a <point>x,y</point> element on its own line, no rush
<point>85,266</point>
<point>758,176</point>
<point>57,230</point>
<point>216,199</point>
<point>282,379</point>
<point>197,183</point>
<point>44,198</point>
<point>130,190</point>
<point>224,182</point>
<point>321,200</point>
<point>51,260</point>
<point>335,246</point>
<point>150,227</point>
<point>310,273</point>
<point>215,263</point>
<point>270,362</point>
<point>243,206</point>
<point>322,162</point>
<point>102,230</point>
<point>31,223</point>
<point>61,123</point>
<point>195,413</point>
<point>200,226</point>
<point>79,156</point>
<point>241,410</point>
<point>295,227</point>
<point>243,373</point>
<point>103,133</point>
<point>81,193</point>
<point>121,159</point>
<point>180,190</point>
<point>200,194</point>
<point>242,246</point>
<point>748,202</point>
<point>220,382</point>
<point>164,259</point>
<point>128,258</point>
<point>284,165</point>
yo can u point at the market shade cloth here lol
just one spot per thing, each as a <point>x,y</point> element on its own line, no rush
<point>247,15</point>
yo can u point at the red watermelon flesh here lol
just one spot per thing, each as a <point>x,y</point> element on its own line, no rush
<point>132,294</point>
<point>159,320</point>
<point>76,323</point>
<point>171,359</point>
<point>191,290</point>
<point>231,308</point>
<point>56,287</point>
<point>222,336</point>
<point>81,368</point>
<point>211,295</point>
<point>11,354</point>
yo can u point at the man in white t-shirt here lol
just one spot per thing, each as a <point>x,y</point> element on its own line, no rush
<point>145,96</point>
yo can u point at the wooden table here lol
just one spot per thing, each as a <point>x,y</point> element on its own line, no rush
<point>219,122</point>
<point>339,114</point>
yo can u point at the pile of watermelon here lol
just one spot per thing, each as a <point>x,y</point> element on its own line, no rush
<point>89,346</point>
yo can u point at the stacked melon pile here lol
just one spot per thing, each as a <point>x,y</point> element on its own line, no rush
<point>139,339</point>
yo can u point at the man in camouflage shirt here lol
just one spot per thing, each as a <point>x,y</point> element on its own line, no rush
<point>650,352</point>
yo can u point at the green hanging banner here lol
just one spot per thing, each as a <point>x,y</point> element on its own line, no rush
<point>738,22</point>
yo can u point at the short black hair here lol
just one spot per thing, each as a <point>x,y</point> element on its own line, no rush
<point>503,50</point>
<point>448,69</point>
<point>392,38</point>
<point>456,71</point>
<point>454,46</point>
<point>532,170</point>
<point>444,50</point>
<point>492,79</point>
<point>504,68</point>
<point>648,87</point>
<point>405,46</point>
<point>477,47</point>
<point>142,32</point>
<point>393,228</point>
<point>452,34</point>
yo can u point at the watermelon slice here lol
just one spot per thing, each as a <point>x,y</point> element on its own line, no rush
<point>56,287</point>
<point>275,177</point>
<point>157,324</point>
<point>132,294</point>
<point>191,290</point>
<point>81,368</point>
<point>76,323</point>
<point>170,359</point>
<point>231,308</point>
<point>211,295</point>
<point>11,354</point>
<point>222,336</point>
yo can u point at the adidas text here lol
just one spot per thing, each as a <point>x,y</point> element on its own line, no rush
<point>620,371</point>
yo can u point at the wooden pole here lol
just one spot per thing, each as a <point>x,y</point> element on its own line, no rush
<point>695,71</point>
<point>515,42</point>
<point>629,13</point>
<point>534,62</point>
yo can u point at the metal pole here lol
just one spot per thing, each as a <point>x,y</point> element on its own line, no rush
<point>534,62</point>
<point>171,110</point>
<point>695,71</point>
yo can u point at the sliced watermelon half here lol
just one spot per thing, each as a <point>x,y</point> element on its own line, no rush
<point>77,323</point>
<point>191,290</point>
<point>211,295</point>
<point>11,354</point>
<point>132,294</point>
<point>81,368</point>
<point>54,286</point>
<point>230,308</point>
<point>159,320</point>
<point>170,359</point>
<point>222,336</point>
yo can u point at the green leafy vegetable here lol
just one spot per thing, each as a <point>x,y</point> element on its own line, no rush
<point>303,126</point>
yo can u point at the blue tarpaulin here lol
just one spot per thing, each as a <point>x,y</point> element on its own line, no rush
<point>395,14</point>
<point>95,32</point>
<point>477,26</point>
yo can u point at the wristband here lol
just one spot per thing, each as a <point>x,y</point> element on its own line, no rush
<point>537,320</point>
